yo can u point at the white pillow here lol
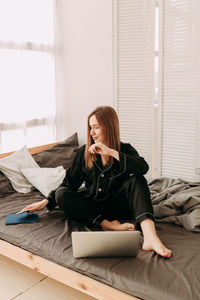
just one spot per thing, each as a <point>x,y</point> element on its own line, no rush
<point>45,179</point>
<point>11,166</point>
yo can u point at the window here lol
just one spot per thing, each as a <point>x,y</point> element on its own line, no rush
<point>27,75</point>
<point>179,89</point>
<point>156,81</point>
<point>134,65</point>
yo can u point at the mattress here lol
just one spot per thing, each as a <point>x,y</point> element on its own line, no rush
<point>147,276</point>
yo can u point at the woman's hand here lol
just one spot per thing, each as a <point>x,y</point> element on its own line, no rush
<point>36,206</point>
<point>100,148</point>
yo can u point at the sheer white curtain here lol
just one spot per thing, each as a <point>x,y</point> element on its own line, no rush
<point>27,73</point>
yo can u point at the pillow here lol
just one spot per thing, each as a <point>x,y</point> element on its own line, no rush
<point>61,154</point>
<point>45,179</point>
<point>11,166</point>
<point>5,186</point>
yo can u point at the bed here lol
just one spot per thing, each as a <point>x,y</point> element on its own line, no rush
<point>46,246</point>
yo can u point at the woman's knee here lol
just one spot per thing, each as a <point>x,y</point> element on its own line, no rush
<point>136,184</point>
<point>62,197</point>
<point>141,181</point>
<point>133,181</point>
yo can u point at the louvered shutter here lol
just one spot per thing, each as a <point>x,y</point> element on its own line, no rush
<point>134,73</point>
<point>180,89</point>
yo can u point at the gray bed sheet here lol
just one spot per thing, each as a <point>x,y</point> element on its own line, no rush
<point>147,276</point>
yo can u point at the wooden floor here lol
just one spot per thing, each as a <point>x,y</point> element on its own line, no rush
<point>21,283</point>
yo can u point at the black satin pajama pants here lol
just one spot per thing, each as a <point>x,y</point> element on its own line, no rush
<point>130,202</point>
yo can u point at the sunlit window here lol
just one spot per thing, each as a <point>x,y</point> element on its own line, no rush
<point>27,75</point>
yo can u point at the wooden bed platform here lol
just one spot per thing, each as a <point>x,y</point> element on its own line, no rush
<point>62,274</point>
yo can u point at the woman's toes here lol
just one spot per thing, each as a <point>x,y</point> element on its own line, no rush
<point>157,246</point>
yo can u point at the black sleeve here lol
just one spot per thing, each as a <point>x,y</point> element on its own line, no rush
<point>130,161</point>
<point>73,178</point>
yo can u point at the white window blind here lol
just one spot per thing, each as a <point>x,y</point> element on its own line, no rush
<point>134,52</point>
<point>27,73</point>
<point>180,148</point>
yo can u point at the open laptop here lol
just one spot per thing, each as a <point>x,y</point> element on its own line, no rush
<point>105,243</point>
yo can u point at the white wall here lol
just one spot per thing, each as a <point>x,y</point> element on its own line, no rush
<point>85,63</point>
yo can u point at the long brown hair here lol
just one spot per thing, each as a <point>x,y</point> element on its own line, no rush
<point>109,124</point>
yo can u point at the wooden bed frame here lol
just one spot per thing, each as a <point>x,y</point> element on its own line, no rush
<point>64,275</point>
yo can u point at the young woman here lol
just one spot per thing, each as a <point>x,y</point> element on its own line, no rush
<point>115,188</point>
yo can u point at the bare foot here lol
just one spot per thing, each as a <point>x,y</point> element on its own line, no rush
<point>116,225</point>
<point>151,240</point>
<point>155,244</point>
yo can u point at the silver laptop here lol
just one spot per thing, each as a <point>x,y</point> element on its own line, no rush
<point>105,243</point>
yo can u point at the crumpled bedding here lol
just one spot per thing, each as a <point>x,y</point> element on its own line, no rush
<point>176,201</point>
<point>147,276</point>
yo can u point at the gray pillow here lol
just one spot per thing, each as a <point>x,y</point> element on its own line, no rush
<point>5,186</point>
<point>61,154</point>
